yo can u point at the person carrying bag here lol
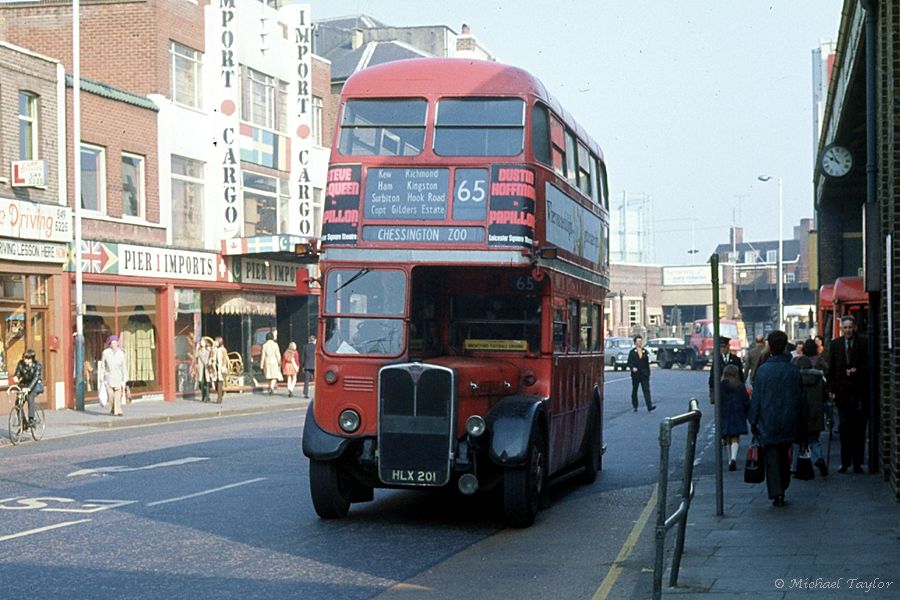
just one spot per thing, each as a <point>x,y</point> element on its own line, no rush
<point>754,466</point>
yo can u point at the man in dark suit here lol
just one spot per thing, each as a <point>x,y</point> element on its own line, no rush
<point>725,358</point>
<point>848,386</point>
<point>639,365</point>
<point>308,363</point>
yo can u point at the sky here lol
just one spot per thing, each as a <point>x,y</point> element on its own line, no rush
<point>690,101</point>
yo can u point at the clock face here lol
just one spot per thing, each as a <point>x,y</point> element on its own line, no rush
<point>836,161</point>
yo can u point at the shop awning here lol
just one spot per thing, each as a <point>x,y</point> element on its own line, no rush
<point>242,303</point>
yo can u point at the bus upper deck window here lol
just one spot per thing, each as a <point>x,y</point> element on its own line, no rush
<point>388,127</point>
<point>480,127</point>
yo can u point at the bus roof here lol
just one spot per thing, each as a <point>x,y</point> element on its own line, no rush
<point>434,77</point>
<point>850,290</point>
<point>826,295</point>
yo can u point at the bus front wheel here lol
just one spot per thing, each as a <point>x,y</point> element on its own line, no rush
<point>329,488</point>
<point>524,486</point>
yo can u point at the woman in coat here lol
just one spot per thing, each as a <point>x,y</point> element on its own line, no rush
<point>734,402</point>
<point>269,362</point>
<point>220,364</point>
<point>203,368</point>
<point>115,374</point>
<point>290,366</point>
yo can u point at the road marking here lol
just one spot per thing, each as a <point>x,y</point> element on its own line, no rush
<point>616,569</point>
<point>205,492</point>
<point>605,381</point>
<point>13,536</point>
<point>123,469</point>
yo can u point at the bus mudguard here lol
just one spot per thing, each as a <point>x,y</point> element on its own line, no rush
<point>510,422</point>
<point>318,444</point>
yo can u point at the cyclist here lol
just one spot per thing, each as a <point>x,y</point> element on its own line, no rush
<point>28,377</point>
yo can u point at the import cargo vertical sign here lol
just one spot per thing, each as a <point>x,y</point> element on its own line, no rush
<point>221,31</point>
<point>299,22</point>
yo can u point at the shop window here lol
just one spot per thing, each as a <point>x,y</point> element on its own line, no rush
<point>132,185</point>
<point>28,126</point>
<point>187,202</point>
<point>21,325</point>
<point>129,313</point>
<point>93,178</point>
<point>187,333</point>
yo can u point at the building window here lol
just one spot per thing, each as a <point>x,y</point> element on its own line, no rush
<point>28,126</point>
<point>634,312</point>
<point>751,257</point>
<point>263,100</point>
<point>790,277</point>
<point>132,185</point>
<point>93,178</point>
<point>185,73</point>
<point>266,202</point>
<point>187,202</point>
<point>771,256</point>
<point>317,107</point>
<point>733,257</point>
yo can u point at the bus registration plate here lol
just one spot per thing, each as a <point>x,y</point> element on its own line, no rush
<point>414,476</point>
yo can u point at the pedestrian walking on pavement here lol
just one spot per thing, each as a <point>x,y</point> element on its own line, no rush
<point>776,414</point>
<point>290,366</point>
<point>220,366</point>
<point>639,365</point>
<point>752,360</point>
<point>735,403</point>
<point>269,362</point>
<point>848,383</point>
<point>115,375</point>
<point>816,398</point>
<point>203,367</point>
<point>308,363</point>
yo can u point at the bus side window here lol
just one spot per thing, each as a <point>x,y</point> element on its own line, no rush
<point>540,134</point>
<point>559,330</point>
<point>573,326</point>
<point>597,325</point>
<point>586,328</point>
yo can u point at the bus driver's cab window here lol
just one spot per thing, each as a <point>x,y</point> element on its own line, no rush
<point>365,311</point>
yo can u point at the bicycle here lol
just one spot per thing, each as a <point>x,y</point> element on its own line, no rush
<point>18,417</point>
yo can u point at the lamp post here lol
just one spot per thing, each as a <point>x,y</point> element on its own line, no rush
<point>780,246</point>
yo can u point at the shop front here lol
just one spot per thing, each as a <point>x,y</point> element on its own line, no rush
<point>161,302</point>
<point>33,250</point>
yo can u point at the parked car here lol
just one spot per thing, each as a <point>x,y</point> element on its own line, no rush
<point>617,349</point>
<point>671,351</point>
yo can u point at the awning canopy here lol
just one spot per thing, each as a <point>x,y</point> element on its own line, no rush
<point>242,303</point>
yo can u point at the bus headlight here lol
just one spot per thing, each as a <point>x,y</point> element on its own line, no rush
<point>349,420</point>
<point>475,425</point>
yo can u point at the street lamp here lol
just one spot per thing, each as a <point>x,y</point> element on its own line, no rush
<point>780,246</point>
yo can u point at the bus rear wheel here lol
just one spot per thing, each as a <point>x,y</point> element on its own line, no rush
<point>329,488</point>
<point>524,486</point>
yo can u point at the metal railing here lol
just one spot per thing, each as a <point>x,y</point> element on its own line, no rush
<point>679,517</point>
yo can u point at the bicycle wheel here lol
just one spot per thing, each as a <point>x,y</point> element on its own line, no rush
<point>16,424</point>
<point>37,430</point>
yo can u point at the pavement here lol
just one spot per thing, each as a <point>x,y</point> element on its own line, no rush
<point>838,537</point>
<point>66,423</point>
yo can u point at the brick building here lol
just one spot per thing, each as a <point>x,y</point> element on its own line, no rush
<point>204,160</point>
<point>35,223</point>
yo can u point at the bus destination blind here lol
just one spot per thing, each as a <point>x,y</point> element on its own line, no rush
<point>406,194</point>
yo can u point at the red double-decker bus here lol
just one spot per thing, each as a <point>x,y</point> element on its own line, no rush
<point>464,272</point>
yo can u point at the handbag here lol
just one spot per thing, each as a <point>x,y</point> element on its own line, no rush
<point>102,396</point>
<point>754,466</point>
<point>805,466</point>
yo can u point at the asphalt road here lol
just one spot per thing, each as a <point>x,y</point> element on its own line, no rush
<point>221,509</point>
